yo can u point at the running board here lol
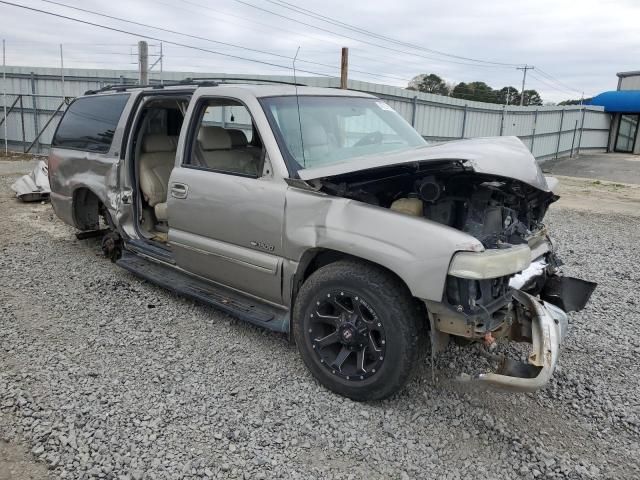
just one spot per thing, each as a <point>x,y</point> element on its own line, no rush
<point>218,297</point>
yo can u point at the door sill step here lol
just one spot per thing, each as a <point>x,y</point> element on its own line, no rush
<point>218,297</point>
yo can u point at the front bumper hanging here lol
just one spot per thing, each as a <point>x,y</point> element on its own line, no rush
<point>548,327</point>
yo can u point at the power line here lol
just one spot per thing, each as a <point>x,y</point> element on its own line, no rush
<point>119,30</point>
<point>166,30</point>
<point>333,21</point>
<point>361,40</point>
<point>362,31</point>
<point>197,37</point>
<point>552,86</point>
<point>555,80</point>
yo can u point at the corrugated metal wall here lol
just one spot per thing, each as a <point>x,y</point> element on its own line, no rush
<point>547,131</point>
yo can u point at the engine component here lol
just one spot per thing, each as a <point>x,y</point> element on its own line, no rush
<point>429,189</point>
<point>409,206</point>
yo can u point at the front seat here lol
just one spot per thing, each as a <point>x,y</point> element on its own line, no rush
<point>215,151</point>
<point>156,163</point>
<point>315,141</point>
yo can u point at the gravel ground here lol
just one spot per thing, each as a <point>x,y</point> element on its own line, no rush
<point>104,375</point>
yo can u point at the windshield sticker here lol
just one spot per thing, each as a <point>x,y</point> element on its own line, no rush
<point>384,106</point>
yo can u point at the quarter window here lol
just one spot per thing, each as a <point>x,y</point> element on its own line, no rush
<point>90,122</point>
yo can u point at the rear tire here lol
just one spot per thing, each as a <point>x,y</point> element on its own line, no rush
<point>357,328</point>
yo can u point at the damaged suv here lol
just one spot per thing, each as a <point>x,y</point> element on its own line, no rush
<point>324,214</point>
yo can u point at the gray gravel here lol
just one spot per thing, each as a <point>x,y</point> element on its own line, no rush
<point>103,375</point>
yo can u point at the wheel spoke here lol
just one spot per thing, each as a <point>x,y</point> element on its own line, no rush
<point>372,345</point>
<point>360,361</point>
<point>328,340</point>
<point>340,305</point>
<point>340,359</point>
<point>328,319</point>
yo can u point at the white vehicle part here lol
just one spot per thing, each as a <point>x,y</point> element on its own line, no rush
<point>490,263</point>
<point>34,186</point>
<point>536,269</point>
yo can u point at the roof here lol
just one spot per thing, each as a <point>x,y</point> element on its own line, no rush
<point>632,73</point>
<point>258,90</point>
<point>619,101</point>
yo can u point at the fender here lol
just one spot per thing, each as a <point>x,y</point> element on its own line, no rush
<point>416,249</point>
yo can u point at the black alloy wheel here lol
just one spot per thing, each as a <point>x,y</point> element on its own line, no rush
<point>357,328</point>
<point>347,335</point>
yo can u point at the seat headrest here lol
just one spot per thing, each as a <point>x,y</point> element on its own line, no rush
<point>214,138</point>
<point>238,138</point>
<point>156,142</point>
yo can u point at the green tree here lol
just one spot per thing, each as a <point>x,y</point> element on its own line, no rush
<point>531,97</point>
<point>508,96</point>
<point>461,90</point>
<point>429,83</point>
<point>483,92</point>
<point>475,91</point>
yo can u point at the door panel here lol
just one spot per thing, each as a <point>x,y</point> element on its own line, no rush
<point>228,228</point>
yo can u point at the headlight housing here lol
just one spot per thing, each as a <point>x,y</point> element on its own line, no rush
<point>492,263</point>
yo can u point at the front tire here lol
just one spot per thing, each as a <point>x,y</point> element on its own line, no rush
<point>357,328</point>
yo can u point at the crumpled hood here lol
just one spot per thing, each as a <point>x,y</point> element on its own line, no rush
<point>502,156</point>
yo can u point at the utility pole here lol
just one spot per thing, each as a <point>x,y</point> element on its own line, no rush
<point>62,70</point>
<point>4,95</point>
<point>161,65</point>
<point>344,68</point>
<point>508,95</point>
<point>524,79</point>
<point>143,62</point>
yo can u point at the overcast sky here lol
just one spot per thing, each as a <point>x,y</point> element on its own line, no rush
<point>582,43</point>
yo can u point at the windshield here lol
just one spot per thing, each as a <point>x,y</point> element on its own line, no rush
<point>336,129</point>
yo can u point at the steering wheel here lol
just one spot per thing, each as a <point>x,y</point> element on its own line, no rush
<point>369,138</point>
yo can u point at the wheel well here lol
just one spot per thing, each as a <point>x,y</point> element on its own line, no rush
<point>315,259</point>
<point>87,209</point>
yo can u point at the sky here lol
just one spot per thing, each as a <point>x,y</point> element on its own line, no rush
<point>575,46</point>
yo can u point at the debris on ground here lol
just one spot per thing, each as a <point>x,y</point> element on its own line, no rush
<point>34,186</point>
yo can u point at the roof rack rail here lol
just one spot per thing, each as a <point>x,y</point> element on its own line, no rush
<point>123,87</point>
<point>220,80</point>
<point>197,81</point>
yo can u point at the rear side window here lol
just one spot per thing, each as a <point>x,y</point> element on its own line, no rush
<point>90,122</point>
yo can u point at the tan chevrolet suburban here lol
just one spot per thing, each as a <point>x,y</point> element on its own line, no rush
<point>321,213</point>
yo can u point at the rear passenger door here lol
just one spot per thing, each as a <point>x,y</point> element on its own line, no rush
<point>225,208</point>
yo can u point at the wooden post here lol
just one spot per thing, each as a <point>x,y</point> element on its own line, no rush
<point>344,68</point>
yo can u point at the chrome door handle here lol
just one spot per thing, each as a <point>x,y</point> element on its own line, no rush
<point>179,190</point>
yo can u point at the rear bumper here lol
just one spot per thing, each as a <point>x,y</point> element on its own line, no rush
<point>548,328</point>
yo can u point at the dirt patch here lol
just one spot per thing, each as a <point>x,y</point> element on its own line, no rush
<point>16,462</point>
<point>598,196</point>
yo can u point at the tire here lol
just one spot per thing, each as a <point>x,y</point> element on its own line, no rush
<point>345,305</point>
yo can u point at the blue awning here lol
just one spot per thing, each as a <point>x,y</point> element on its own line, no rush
<point>619,101</point>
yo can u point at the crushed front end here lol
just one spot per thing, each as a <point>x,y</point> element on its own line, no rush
<point>513,289</point>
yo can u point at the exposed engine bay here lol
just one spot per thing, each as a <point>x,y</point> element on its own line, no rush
<point>495,210</point>
<point>500,212</point>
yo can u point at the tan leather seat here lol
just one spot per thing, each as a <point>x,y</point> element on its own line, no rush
<point>156,162</point>
<point>216,152</point>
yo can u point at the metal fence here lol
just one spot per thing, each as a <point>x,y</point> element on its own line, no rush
<point>37,97</point>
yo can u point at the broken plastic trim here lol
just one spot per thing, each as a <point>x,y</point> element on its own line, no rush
<point>568,293</point>
<point>548,326</point>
